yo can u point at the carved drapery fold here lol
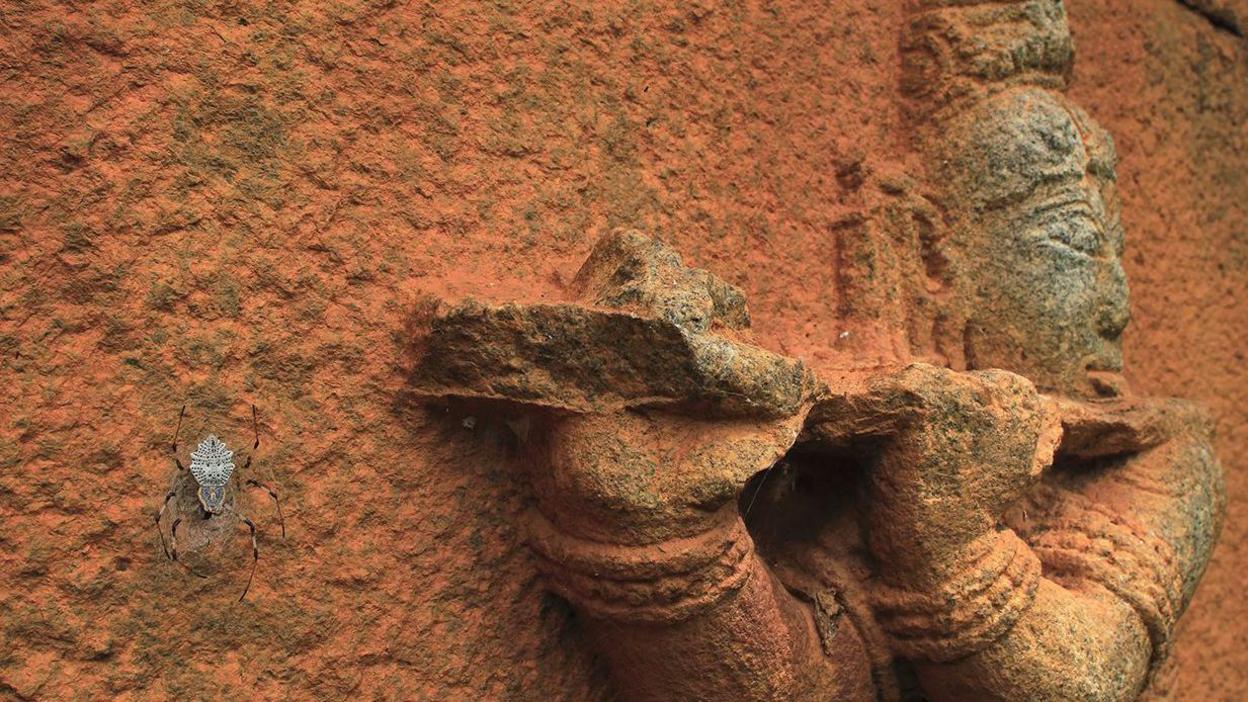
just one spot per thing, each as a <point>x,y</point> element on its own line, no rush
<point>1077,538</point>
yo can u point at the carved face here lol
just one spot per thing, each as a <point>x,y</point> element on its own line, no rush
<point>1029,179</point>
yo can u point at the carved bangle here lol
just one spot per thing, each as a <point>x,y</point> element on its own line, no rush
<point>662,582</point>
<point>988,593</point>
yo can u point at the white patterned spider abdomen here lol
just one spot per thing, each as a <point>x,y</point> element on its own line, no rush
<point>211,462</point>
<point>211,465</point>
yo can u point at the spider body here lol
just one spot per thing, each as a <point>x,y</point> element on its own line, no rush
<point>211,467</point>
<point>202,501</point>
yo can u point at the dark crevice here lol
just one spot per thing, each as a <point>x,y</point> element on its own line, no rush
<point>1223,18</point>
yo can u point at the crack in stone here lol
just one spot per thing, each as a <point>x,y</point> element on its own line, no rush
<point>1217,14</point>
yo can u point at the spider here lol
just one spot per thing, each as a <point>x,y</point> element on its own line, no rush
<point>206,494</point>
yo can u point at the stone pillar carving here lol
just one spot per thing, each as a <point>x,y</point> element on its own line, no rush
<point>991,514</point>
<point>651,410</point>
<point>1124,522</point>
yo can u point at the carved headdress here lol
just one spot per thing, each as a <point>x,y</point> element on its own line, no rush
<point>957,52</point>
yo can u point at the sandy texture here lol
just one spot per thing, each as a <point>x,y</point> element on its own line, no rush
<point>226,203</point>
<point>1169,86</point>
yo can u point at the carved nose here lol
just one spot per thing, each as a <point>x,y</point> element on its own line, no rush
<point>1115,312</point>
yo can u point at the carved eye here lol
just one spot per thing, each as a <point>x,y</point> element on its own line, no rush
<point>1078,230</point>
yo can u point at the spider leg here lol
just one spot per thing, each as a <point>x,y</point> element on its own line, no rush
<point>256,483</point>
<point>174,448</point>
<point>255,553</point>
<point>174,485</point>
<point>272,493</point>
<point>173,539</point>
<point>164,546</point>
<point>256,428</point>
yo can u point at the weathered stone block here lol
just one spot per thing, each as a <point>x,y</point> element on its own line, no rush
<point>649,333</point>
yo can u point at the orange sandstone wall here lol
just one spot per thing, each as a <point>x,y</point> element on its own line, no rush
<point>225,203</point>
<point>1173,89</point>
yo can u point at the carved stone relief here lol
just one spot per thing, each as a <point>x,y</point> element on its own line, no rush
<point>993,516</point>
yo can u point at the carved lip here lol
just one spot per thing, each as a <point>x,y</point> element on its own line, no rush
<point>1107,384</point>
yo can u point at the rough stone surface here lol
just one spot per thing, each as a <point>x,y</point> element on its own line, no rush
<point>1228,15</point>
<point>244,202</point>
<point>1160,79</point>
<point>1003,526</point>
<point>658,343</point>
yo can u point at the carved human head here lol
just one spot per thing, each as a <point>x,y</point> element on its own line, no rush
<point>1026,181</point>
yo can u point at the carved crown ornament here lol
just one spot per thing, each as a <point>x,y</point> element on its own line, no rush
<point>993,516</point>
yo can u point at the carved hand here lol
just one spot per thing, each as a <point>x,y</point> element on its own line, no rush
<point>965,446</point>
